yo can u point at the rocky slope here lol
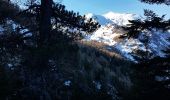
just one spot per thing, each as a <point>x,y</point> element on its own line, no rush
<point>110,31</point>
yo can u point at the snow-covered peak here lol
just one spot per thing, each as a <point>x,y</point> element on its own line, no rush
<point>89,15</point>
<point>120,19</point>
<point>111,15</point>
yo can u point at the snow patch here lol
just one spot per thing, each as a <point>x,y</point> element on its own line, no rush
<point>119,19</point>
<point>1,29</point>
<point>97,85</point>
<point>67,83</point>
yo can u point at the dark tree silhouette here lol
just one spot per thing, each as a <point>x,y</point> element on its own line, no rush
<point>167,2</point>
<point>151,21</point>
<point>45,21</point>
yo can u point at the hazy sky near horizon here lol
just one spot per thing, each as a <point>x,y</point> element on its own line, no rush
<point>120,6</point>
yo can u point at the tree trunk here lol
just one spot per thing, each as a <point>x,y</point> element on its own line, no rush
<point>44,33</point>
<point>45,21</point>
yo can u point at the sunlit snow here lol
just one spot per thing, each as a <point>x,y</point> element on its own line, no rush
<point>107,34</point>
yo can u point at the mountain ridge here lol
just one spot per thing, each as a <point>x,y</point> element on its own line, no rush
<point>111,30</point>
<point>112,17</point>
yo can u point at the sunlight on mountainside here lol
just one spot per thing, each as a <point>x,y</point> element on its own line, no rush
<point>50,52</point>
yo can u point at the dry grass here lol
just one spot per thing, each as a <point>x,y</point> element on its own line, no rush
<point>100,47</point>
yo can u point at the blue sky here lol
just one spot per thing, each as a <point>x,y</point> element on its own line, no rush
<point>120,6</point>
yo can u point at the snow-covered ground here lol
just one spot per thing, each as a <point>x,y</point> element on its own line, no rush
<point>108,33</point>
<point>1,29</point>
<point>11,25</point>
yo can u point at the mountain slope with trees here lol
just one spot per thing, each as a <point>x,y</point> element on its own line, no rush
<point>43,56</point>
<point>48,64</point>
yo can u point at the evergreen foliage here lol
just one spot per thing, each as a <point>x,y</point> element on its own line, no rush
<point>32,70</point>
<point>29,71</point>
<point>152,80</point>
<point>167,2</point>
<point>63,18</point>
<point>151,21</point>
<point>7,10</point>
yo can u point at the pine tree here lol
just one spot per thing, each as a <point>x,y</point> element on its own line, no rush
<point>153,79</point>
<point>151,21</point>
<point>167,2</point>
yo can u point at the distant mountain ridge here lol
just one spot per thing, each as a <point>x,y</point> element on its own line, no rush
<point>112,18</point>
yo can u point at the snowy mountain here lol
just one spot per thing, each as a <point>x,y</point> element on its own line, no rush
<point>109,33</point>
<point>112,18</point>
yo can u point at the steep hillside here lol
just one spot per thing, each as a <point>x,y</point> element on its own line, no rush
<point>84,70</point>
<point>99,67</point>
<point>111,30</point>
<point>81,71</point>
